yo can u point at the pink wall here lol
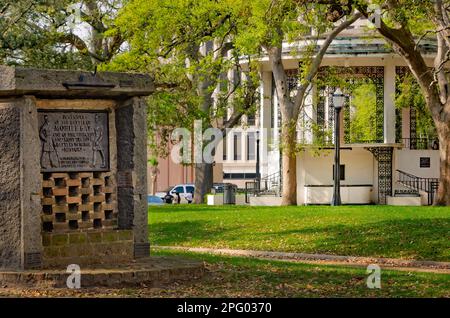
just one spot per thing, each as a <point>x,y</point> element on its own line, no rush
<point>170,174</point>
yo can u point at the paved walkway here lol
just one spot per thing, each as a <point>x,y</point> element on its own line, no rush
<point>394,263</point>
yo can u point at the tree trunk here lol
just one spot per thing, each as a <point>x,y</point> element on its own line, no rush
<point>289,196</point>
<point>434,91</point>
<point>289,160</point>
<point>443,195</point>
<point>154,181</point>
<point>203,181</point>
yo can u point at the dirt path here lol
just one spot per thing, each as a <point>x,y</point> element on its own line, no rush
<point>324,259</point>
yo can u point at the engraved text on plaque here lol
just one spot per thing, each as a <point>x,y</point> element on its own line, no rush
<point>74,141</point>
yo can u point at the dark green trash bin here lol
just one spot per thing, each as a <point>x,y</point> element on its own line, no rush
<point>229,193</point>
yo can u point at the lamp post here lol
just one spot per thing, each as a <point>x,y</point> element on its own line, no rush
<point>338,102</point>
<point>258,174</point>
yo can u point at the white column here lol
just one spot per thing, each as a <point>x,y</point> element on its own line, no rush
<point>273,165</point>
<point>264,120</point>
<point>389,102</point>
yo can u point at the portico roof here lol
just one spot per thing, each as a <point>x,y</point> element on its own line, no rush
<point>358,145</point>
<point>375,145</point>
<point>359,43</point>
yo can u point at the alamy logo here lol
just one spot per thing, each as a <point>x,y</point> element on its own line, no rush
<point>374,278</point>
<point>374,18</point>
<point>74,279</point>
<point>204,144</point>
<point>74,16</point>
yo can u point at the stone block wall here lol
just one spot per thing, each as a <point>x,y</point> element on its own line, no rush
<point>20,241</point>
<point>10,212</point>
<point>53,216</point>
<point>78,201</point>
<point>89,247</point>
<point>131,123</point>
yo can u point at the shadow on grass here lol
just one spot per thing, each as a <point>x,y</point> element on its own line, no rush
<point>245,277</point>
<point>175,233</point>
<point>407,238</point>
<point>423,238</point>
<point>203,208</point>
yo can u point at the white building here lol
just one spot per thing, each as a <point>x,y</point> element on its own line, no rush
<point>391,168</point>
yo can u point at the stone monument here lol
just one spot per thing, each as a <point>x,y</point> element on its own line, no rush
<point>73,167</point>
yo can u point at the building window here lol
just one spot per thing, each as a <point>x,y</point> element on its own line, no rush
<point>224,148</point>
<point>251,146</point>
<point>237,176</point>
<point>237,149</point>
<point>179,189</point>
<point>342,172</point>
<point>425,162</point>
<point>190,189</point>
<point>251,119</point>
<point>225,116</point>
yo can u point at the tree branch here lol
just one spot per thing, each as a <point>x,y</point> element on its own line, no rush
<point>318,60</point>
<point>80,45</point>
<point>404,44</point>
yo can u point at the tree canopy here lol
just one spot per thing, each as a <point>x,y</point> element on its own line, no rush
<point>59,33</point>
<point>190,49</point>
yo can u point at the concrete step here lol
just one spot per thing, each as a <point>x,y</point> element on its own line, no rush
<point>404,200</point>
<point>151,271</point>
<point>406,193</point>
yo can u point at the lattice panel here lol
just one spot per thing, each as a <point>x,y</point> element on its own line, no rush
<point>321,115</point>
<point>413,127</point>
<point>321,109</point>
<point>331,111</point>
<point>384,158</point>
<point>78,201</point>
<point>401,72</point>
<point>347,121</point>
<point>292,79</point>
<point>362,74</point>
<point>398,125</point>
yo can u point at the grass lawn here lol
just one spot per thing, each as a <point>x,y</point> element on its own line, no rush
<point>381,231</point>
<point>244,277</point>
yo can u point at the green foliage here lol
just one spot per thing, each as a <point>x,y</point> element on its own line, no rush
<point>416,15</point>
<point>322,137</point>
<point>363,113</point>
<point>188,47</point>
<point>67,34</point>
<point>44,55</point>
<point>361,110</point>
<point>269,23</point>
<point>410,95</point>
<point>153,162</point>
<point>14,33</point>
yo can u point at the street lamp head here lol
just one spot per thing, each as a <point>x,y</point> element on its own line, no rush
<point>338,99</point>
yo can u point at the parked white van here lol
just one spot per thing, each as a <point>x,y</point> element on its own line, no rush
<point>182,189</point>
